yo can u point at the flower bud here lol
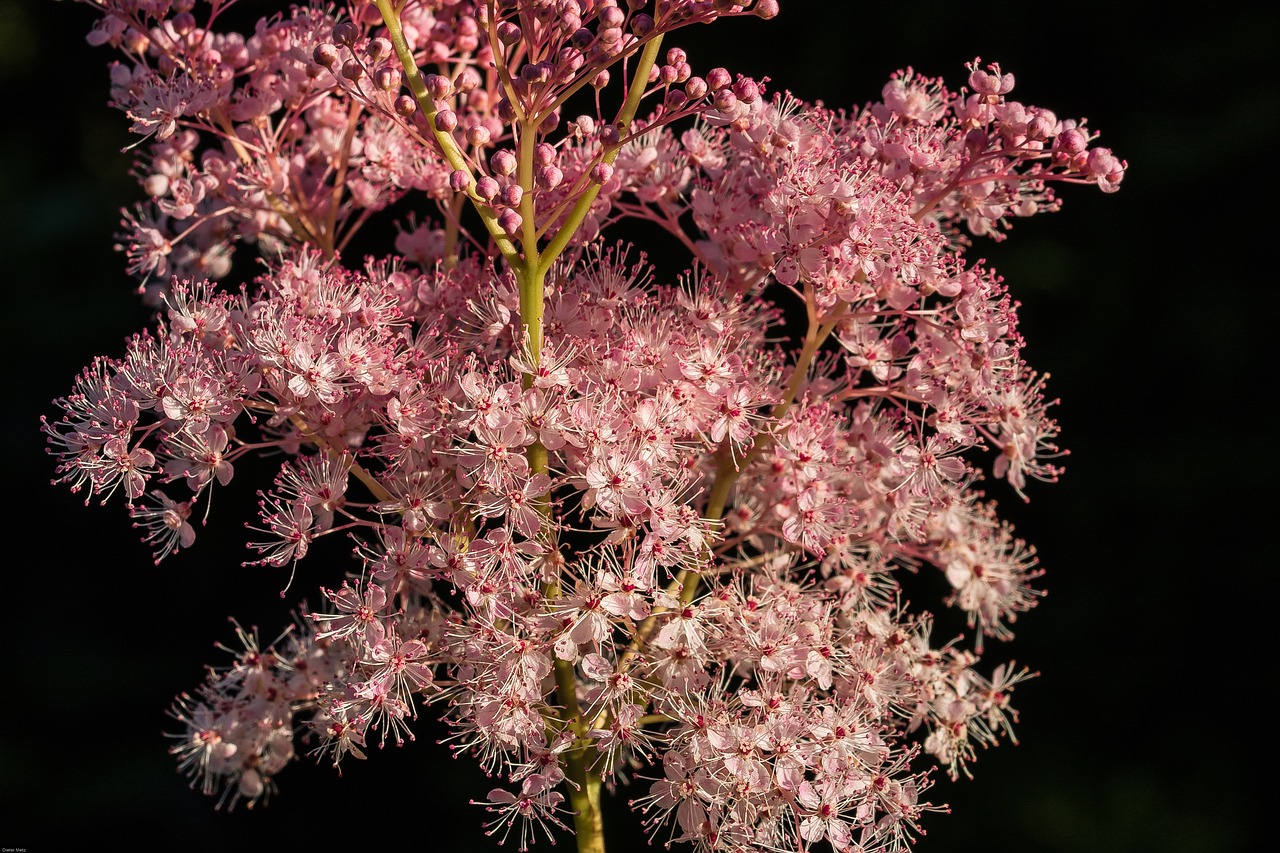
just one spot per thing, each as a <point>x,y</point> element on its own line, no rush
<point>511,195</point>
<point>478,135</point>
<point>601,173</point>
<point>183,23</point>
<point>438,86</point>
<point>718,78</point>
<point>378,49</point>
<point>352,70</point>
<point>459,180</point>
<point>487,188</point>
<point>503,162</point>
<point>510,222</point>
<point>326,55</point>
<point>1071,141</point>
<point>446,120</point>
<point>508,33</point>
<point>548,177</point>
<point>345,33</point>
<point>405,105</point>
<point>388,79</point>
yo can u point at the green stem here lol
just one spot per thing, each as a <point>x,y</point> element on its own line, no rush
<point>628,113</point>
<point>448,145</point>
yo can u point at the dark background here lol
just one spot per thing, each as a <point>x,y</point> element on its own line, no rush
<point>1152,308</point>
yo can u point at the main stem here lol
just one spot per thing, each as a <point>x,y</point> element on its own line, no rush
<point>530,266</point>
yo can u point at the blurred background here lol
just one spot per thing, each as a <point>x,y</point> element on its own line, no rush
<point>1152,308</point>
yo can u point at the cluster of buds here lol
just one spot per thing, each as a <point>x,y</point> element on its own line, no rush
<point>610,523</point>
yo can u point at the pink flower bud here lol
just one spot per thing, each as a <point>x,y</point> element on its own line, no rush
<point>468,79</point>
<point>508,33</point>
<point>352,70</point>
<point>601,173</point>
<point>183,23</point>
<point>503,162</point>
<point>642,25</point>
<point>478,135</point>
<point>459,180</point>
<point>718,78</point>
<point>544,153</point>
<point>548,177</point>
<point>766,9</point>
<point>725,100</point>
<point>1071,141</point>
<point>487,188</point>
<point>446,120</point>
<point>378,49</point>
<point>510,222</point>
<point>511,195</point>
<point>438,86</point>
<point>388,79</point>
<point>405,105</point>
<point>695,88</point>
<point>326,55</point>
<point>345,33</point>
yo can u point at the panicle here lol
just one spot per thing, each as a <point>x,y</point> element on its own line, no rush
<point>606,518</point>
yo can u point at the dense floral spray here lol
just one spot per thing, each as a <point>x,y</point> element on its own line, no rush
<point>609,524</point>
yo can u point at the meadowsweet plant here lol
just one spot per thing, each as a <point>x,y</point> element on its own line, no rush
<point>612,522</point>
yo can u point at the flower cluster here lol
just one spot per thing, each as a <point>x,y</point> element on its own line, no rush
<point>614,524</point>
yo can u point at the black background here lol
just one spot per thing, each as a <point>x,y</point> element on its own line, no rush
<point>1152,308</point>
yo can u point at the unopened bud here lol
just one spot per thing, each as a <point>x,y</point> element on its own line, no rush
<point>503,162</point>
<point>352,70</point>
<point>746,90</point>
<point>766,9</point>
<point>601,172</point>
<point>487,188</point>
<point>508,33</point>
<point>718,78</point>
<point>378,49</point>
<point>345,33</point>
<point>511,195</point>
<point>183,23</point>
<point>326,55</point>
<point>438,86</point>
<point>388,79</point>
<point>446,120</point>
<point>510,222</point>
<point>548,177</point>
